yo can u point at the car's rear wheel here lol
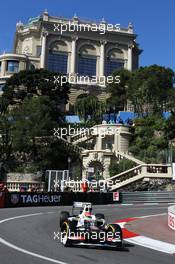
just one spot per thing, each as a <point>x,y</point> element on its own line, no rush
<point>63,217</point>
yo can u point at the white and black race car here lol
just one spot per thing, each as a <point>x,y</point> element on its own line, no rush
<point>88,229</point>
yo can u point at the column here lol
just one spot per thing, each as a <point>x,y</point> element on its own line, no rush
<point>73,56</point>
<point>3,68</point>
<point>130,57</point>
<point>43,49</point>
<point>116,139</point>
<point>49,182</point>
<point>102,58</point>
<point>98,142</point>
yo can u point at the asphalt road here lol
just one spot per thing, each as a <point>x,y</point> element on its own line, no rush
<point>30,239</point>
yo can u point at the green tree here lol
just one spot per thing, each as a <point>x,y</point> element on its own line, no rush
<point>149,142</point>
<point>29,110</point>
<point>27,84</point>
<point>118,167</point>
<point>89,105</point>
<point>34,145</point>
<point>5,138</point>
<point>151,88</point>
<point>36,117</point>
<point>170,127</point>
<point>119,91</point>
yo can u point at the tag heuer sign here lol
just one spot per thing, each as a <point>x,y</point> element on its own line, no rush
<point>14,198</point>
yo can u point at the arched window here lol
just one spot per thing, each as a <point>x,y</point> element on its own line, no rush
<point>58,57</point>
<point>114,61</point>
<point>87,61</point>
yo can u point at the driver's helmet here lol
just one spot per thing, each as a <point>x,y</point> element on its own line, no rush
<point>88,212</point>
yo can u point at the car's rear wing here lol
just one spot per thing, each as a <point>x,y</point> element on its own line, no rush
<point>81,204</point>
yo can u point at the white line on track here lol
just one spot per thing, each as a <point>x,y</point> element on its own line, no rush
<point>3,241</point>
<point>146,216</point>
<point>153,244</point>
<point>150,242</point>
<point>17,217</point>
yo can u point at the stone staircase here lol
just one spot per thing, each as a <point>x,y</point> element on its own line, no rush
<point>140,172</point>
<point>121,155</point>
<point>74,147</point>
<point>81,137</point>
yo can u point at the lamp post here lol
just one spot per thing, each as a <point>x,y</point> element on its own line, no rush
<point>108,112</point>
<point>114,109</point>
<point>69,162</point>
<point>2,145</point>
<point>170,156</point>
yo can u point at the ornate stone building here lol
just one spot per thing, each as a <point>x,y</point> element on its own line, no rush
<point>71,46</point>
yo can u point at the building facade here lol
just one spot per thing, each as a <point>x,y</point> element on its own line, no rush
<point>109,141</point>
<point>73,47</point>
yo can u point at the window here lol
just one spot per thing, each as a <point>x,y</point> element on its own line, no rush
<point>31,67</point>
<point>13,66</point>
<point>57,62</point>
<point>2,85</point>
<point>111,65</point>
<point>87,66</point>
<point>38,51</point>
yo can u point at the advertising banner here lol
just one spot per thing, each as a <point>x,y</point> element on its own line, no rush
<point>32,199</point>
<point>22,199</point>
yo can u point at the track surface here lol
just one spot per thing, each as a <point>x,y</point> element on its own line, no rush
<point>35,234</point>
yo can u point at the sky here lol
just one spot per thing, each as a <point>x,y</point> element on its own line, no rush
<point>153,21</point>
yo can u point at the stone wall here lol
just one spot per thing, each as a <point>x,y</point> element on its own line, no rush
<point>23,177</point>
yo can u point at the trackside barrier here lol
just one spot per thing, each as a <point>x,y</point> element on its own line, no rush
<point>2,199</point>
<point>171,217</point>
<point>19,199</point>
<point>148,197</point>
<point>16,199</point>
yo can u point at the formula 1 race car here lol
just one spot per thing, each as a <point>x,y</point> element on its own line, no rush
<point>88,229</point>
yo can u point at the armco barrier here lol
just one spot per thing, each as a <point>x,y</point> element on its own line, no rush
<point>171,217</point>
<point>148,197</point>
<point>15,199</point>
<point>2,199</point>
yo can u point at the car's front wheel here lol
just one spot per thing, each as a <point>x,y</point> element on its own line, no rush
<point>114,232</point>
<point>63,217</point>
<point>67,230</point>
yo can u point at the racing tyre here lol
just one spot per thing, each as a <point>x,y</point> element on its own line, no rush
<point>117,231</point>
<point>66,229</point>
<point>63,217</point>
